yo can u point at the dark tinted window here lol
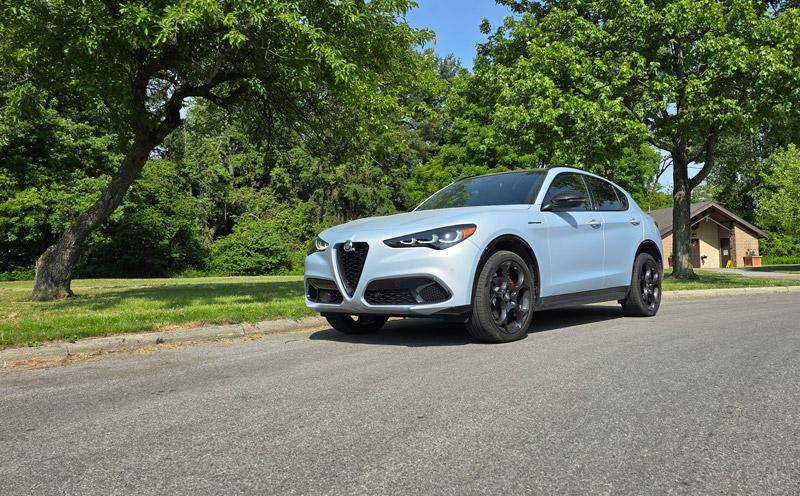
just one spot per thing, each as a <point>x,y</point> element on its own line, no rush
<point>572,183</point>
<point>604,195</point>
<point>512,188</point>
<point>623,200</point>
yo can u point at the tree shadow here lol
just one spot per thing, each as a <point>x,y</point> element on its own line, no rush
<point>415,332</point>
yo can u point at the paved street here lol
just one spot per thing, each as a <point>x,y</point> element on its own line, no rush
<point>704,398</point>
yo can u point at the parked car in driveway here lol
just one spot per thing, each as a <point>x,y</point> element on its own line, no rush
<point>490,250</point>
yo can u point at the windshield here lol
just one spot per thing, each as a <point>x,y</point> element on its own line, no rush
<point>512,188</point>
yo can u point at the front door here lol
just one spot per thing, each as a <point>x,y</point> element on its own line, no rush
<point>575,241</point>
<point>622,231</point>
<point>724,252</point>
<point>695,253</point>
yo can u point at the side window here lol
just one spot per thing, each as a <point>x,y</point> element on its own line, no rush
<point>623,199</point>
<point>572,183</point>
<point>604,195</point>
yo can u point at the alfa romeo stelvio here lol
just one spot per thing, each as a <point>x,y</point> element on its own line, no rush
<point>490,251</point>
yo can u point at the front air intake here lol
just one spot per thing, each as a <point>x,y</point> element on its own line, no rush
<point>405,291</point>
<point>351,263</point>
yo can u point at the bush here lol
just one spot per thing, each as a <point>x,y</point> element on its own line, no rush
<point>768,260</point>
<point>781,247</point>
<point>255,247</point>
<point>17,274</point>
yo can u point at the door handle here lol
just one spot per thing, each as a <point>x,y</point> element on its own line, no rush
<point>635,221</point>
<point>595,223</point>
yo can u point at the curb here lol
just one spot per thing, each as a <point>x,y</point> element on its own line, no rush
<point>126,342</point>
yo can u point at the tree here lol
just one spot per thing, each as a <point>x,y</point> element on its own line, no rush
<point>55,153</point>
<point>681,75</point>
<point>778,205</point>
<point>294,60</point>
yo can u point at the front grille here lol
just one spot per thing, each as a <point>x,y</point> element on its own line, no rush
<point>322,291</point>
<point>390,297</point>
<point>405,291</point>
<point>351,263</point>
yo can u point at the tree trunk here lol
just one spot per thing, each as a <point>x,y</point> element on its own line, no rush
<point>54,267</point>
<point>681,218</point>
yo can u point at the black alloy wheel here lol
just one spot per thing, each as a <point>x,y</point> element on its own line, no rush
<point>510,295</point>
<point>644,295</point>
<point>503,302</point>
<point>650,285</point>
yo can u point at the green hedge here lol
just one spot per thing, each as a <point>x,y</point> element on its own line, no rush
<point>769,260</point>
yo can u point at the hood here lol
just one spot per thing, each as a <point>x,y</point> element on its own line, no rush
<point>411,222</point>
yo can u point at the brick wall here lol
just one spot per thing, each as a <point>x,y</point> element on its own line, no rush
<point>666,242</point>
<point>743,242</point>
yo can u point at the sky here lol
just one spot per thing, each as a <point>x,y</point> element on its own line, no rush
<point>457,24</point>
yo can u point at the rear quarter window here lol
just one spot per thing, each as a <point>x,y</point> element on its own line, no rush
<point>605,196</point>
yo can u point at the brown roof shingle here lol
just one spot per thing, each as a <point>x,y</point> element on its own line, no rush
<point>663,217</point>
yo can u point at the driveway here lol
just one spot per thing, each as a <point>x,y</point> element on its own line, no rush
<point>703,399</point>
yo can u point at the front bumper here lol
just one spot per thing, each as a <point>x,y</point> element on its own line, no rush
<point>453,269</point>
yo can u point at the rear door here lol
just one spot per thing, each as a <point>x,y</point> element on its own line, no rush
<point>575,241</point>
<point>623,231</point>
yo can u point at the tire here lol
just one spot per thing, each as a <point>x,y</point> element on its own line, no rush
<point>356,324</point>
<point>495,290</point>
<point>644,295</point>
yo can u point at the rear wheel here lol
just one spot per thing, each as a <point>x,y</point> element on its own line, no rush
<point>502,306</point>
<point>356,324</point>
<point>644,296</point>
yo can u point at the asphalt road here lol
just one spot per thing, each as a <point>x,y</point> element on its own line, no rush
<point>704,398</point>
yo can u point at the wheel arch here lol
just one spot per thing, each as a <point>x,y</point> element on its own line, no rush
<point>515,244</point>
<point>651,248</point>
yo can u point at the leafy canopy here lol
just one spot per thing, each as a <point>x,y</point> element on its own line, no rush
<point>590,82</point>
<point>296,58</point>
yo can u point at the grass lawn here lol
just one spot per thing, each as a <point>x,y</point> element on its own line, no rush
<point>111,306</point>
<point>711,280</point>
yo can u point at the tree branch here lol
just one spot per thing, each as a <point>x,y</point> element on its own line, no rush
<point>710,157</point>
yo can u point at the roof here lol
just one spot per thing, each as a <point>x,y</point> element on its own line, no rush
<point>663,217</point>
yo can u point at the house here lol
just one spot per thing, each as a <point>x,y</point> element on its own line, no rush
<point>718,236</point>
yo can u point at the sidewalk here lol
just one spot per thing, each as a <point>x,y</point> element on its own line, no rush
<point>755,273</point>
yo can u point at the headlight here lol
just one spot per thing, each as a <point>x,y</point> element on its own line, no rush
<point>438,239</point>
<point>318,245</point>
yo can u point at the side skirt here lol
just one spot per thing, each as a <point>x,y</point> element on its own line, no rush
<point>583,298</point>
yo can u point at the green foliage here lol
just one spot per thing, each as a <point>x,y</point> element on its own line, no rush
<point>778,207</point>
<point>781,260</point>
<point>155,233</point>
<point>145,58</point>
<point>655,198</point>
<point>254,247</point>
<point>55,155</point>
<point>300,114</point>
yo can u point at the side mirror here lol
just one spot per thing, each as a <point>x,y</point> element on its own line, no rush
<point>565,200</point>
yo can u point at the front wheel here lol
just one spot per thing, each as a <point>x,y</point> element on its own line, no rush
<point>502,307</point>
<point>644,295</point>
<point>356,324</point>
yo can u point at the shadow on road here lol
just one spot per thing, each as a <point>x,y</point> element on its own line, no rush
<point>435,332</point>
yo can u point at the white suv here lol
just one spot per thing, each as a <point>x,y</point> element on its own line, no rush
<point>490,250</point>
